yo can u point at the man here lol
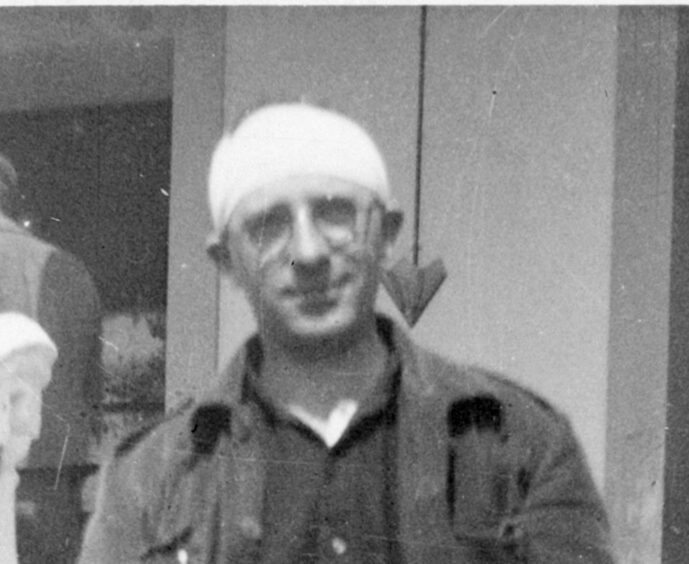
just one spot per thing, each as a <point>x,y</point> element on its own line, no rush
<point>27,355</point>
<point>333,438</point>
<point>53,288</point>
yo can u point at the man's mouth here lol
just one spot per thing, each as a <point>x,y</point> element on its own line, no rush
<point>315,296</point>
<point>318,294</point>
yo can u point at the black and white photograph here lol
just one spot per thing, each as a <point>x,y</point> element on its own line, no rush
<point>344,283</point>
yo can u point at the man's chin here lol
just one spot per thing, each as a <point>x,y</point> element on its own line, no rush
<point>319,331</point>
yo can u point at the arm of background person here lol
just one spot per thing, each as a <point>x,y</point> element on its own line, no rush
<point>69,309</point>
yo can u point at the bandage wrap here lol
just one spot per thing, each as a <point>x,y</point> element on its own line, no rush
<point>284,140</point>
<point>19,332</point>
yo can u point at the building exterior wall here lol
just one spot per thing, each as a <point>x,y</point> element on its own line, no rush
<point>517,195</point>
<point>640,280</point>
<point>197,122</point>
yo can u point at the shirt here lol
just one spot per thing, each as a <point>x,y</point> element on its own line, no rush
<point>336,504</point>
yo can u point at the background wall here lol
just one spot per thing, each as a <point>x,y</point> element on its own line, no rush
<point>197,121</point>
<point>675,545</point>
<point>517,195</point>
<point>640,282</point>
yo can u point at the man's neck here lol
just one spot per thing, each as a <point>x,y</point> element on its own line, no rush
<point>7,222</point>
<point>317,381</point>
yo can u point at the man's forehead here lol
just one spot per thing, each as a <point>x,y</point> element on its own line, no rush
<point>297,189</point>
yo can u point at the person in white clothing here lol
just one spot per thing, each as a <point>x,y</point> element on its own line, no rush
<point>27,355</point>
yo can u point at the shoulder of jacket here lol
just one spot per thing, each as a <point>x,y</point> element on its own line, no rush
<point>510,390</point>
<point>477,396</point>
<point>149,435</point>
<point>455,378</point>
<point>184,436</point>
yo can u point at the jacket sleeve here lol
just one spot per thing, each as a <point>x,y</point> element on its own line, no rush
<point>563,518</point>
<point>522,491</point>
<point>115,532</point>
<point>69,309</point>
<point>129,522</point>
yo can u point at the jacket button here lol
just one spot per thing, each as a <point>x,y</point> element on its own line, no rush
<point>339,546</point>
<point>250,528</point>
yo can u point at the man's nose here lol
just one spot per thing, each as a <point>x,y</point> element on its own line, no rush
<point>307,245</point>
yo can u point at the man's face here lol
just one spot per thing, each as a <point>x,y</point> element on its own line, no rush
<point>307,251</point>
<point>21,379</point>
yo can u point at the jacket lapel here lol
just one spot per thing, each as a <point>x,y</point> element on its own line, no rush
<point>425,532</point>
<point>240,496</point>
<point>239,474</point>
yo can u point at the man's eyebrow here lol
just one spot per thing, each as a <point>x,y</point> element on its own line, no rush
<point>262,209</point>
<point>255,218</point>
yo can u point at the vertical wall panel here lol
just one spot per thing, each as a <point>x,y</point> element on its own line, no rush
<point>192,280</point>
<point>361,61</point>
<point>640,280</point>
<point>517,195</point>
<point>676,476</point>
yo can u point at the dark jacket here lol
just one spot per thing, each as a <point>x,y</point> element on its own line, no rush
<point>55,289</point>
<point>487,472</point>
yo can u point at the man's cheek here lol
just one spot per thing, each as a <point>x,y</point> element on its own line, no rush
<point>5,413</point>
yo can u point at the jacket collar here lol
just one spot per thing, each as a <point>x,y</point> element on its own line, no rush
<point>7,225</point>
<point>249,357</point>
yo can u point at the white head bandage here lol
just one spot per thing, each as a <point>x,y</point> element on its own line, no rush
<point>19,332</point>
<point>284,140</point>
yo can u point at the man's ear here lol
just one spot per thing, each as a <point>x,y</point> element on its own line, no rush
<point>391,226</point>
<point>219,251</point>
<point>220,254</point>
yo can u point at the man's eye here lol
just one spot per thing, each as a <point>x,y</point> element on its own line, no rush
<point>337,212</point>
<point>268,227</point>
